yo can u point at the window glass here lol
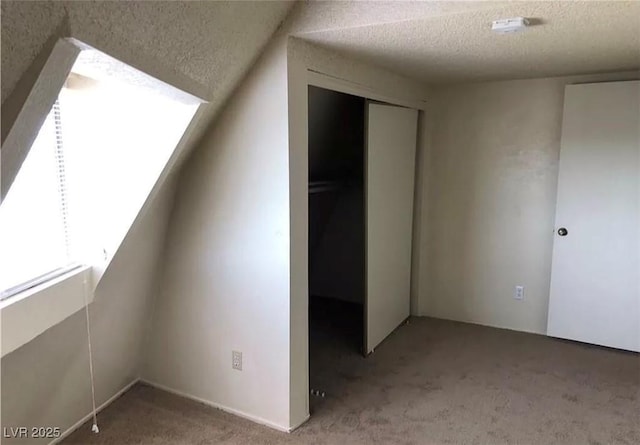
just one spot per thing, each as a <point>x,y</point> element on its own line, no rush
<point>89,172</point>
<point>32,216</point>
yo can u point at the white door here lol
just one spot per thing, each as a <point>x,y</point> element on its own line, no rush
<point>390,165</point>
<point>595,284</point>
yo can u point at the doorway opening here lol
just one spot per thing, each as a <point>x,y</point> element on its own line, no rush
<point>361,164</point>
<point>336,234</point>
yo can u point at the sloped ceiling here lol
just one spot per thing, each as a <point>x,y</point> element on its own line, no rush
<point>211,44</point>
<point>449,42</point>
<point>202,47</point>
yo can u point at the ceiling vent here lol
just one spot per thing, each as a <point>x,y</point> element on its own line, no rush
<point>508,26</point>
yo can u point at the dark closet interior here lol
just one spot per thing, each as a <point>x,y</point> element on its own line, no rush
<point>336,231</point>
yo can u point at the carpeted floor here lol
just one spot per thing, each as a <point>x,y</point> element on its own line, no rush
<point>431,382</point>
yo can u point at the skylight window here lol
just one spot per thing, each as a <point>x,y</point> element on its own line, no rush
<point>96,158</point>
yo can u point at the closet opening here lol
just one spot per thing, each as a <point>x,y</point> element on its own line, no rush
<point>336,236</point>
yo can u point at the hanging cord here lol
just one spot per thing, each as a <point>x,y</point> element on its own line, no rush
<point>62,192</point>
<point>94,427</point>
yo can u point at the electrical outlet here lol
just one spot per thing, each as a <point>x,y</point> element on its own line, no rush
<point>519,293</point>
<point>236,360</point>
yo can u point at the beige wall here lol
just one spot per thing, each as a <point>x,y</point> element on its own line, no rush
<point>490,194</point>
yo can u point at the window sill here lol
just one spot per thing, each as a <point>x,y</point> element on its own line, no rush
<point>28,314</point>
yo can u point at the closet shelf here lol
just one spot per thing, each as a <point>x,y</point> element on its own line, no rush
<point>325,186</point>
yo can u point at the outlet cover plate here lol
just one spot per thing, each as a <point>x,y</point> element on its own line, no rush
<point>236,360</point>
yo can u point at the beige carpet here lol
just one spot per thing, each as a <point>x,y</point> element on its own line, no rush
<point>431,382</point>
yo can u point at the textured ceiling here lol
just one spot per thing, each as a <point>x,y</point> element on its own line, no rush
<point>209,43</point>
<point>447,42</point>
<point>202,47</point>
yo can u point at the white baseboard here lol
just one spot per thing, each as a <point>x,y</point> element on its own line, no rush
<point>80,422</point>
<point>293,428</point>
<point>480,323</point>
<point>233,411</point>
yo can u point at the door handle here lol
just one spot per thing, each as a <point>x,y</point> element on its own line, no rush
<point>562,231</point>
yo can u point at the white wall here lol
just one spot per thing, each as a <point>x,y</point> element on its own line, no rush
<point>490,192</point>
<point>226,271</point>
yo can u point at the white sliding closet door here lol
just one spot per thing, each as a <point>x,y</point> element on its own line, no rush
<point>390,166</point>
<point>595,287</point>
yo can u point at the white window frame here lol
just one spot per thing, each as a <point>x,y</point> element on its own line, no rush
<point>31,312</point>
<point>37,281</point>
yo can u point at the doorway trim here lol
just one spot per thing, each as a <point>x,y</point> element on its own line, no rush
<point>300,77</point>
<point>333,83</point>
